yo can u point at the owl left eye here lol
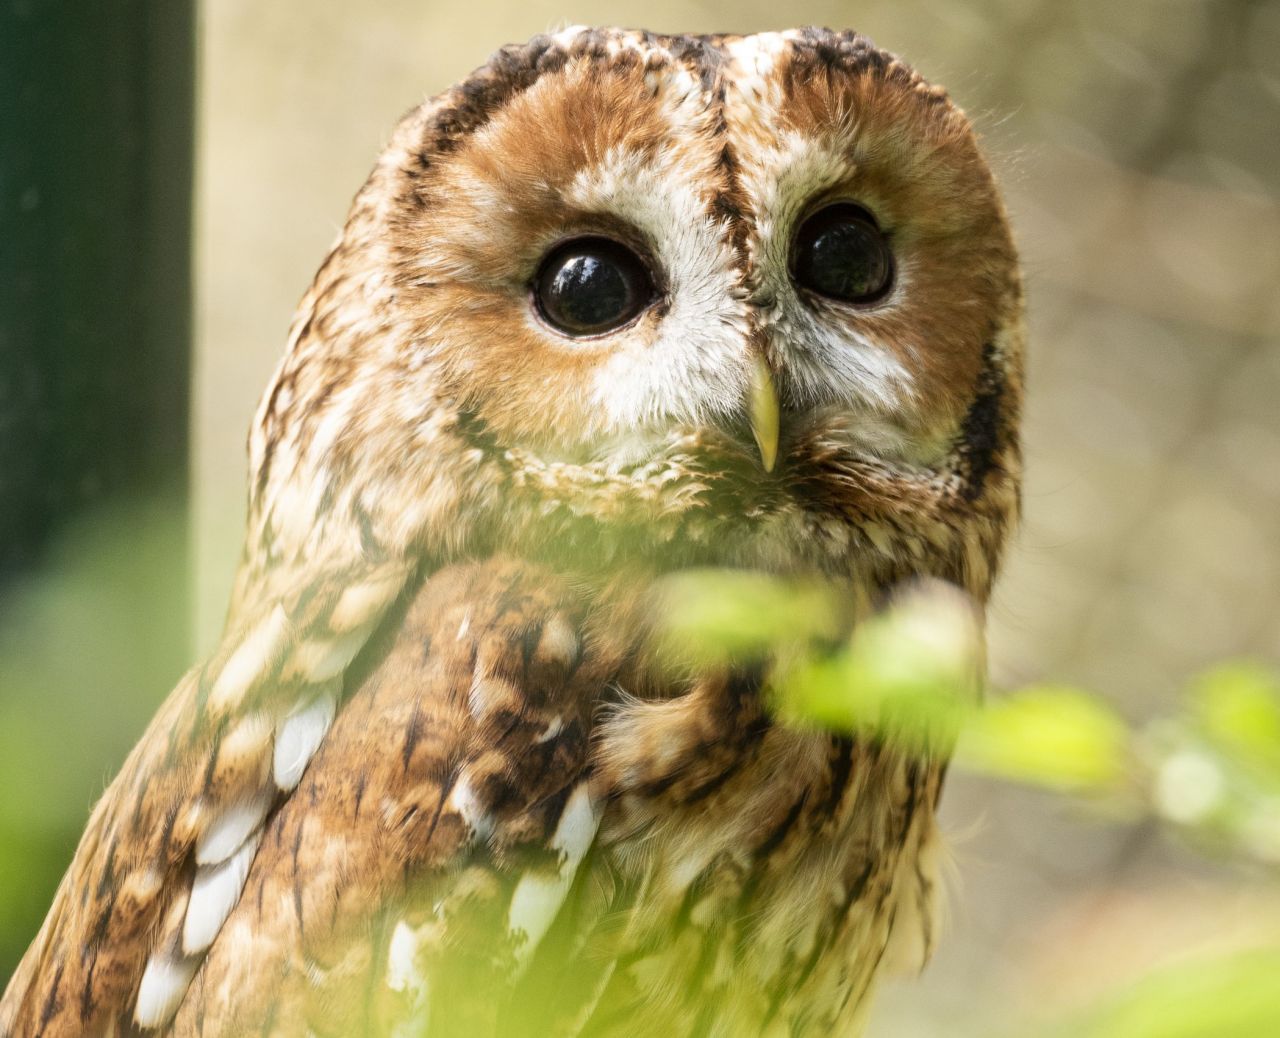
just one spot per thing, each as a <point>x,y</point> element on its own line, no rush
<point>588,286</point>
<point>841,253</point>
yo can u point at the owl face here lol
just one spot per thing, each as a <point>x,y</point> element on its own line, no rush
<point>605,243</point>
<point>778,196</point>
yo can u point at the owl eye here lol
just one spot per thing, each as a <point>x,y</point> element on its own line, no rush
<point>591,285</point>
<point>841,253</point>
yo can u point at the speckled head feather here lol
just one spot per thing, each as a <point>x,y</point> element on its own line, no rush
<point>704,153</point>
<point>434,781</point>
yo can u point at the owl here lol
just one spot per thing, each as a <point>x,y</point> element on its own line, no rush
<point>616,307</point>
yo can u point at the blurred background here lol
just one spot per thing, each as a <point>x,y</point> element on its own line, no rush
<point>1139,147</point>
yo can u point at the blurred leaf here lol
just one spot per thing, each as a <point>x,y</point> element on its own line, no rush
<point>1230,996</point>
<point>1237,705</point>
<point>910,674</point>
<point>718,615</point>
<point>1060,738</point>
<point>1190,786</point>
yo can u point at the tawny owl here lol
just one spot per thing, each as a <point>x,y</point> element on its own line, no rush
<point>617,305</point>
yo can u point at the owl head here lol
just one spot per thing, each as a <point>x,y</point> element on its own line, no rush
<point>754,295</point>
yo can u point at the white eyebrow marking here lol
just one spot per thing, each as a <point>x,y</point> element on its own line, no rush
<point>694,367</point>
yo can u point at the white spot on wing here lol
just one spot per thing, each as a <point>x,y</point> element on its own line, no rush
<point>247,739</point>
<point>559,641</point>
<point>230,829</point>
<point>538,897</point>
<point>402,970</point>
<point>404,976</point>
<point>163,986</point>
<point>214,894</point>
<point>298,738</point>
<point>466,802</point>
<point>685,870</point>
<point>321,659</point>
<point>487,693</point>
<point>362,603</point>
<point>577,827</point>
<point>554,728</point>
<point>140,885</point>
<point>251,659</point>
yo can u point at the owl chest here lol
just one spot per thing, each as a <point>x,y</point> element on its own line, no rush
<point>771,899</point>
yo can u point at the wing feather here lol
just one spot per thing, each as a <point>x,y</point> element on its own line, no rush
<point>312,838</point>
<point>431,843</point>
<point>126,933</point>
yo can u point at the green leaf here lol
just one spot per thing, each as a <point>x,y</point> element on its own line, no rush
<point>1059,738</point>
<point>719,615</point>
<point>1237,706</point>
<point>909,675</point>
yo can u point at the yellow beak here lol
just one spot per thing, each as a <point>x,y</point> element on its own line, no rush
<point>764,411</point>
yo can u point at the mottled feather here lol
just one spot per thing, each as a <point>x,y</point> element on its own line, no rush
<point>437,779</point>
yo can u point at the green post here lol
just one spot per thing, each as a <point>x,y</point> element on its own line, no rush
<point>96,105</point>
<point>96,120</point>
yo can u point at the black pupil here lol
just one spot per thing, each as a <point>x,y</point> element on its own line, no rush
<point>842,254</point>
<point>591,285</point>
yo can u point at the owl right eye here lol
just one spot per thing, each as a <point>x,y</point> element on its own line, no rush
<point>588,286</point>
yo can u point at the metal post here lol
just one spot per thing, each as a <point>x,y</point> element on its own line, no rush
<point>95,277</point>
<point>96,119</point>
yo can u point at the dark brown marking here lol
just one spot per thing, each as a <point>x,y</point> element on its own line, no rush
<point>839,771</point>
<point>412,734</point>
<point>51,1003</point>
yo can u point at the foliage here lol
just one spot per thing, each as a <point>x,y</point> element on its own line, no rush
<point>1209,771</point>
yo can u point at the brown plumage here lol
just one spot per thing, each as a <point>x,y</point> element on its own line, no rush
<point>436,779</point>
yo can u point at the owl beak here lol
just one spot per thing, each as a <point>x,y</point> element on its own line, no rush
<point>764,413</point>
